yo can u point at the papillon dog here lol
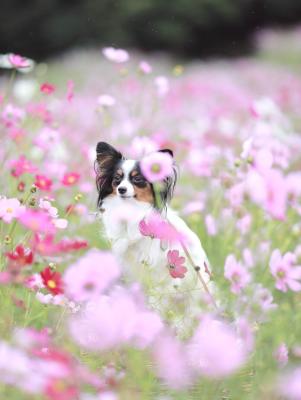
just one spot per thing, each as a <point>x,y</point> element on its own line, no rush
<point>125,197</point>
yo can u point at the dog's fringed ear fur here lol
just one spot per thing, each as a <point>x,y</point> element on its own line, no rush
<point>169,183</point>
<point>106,159</point>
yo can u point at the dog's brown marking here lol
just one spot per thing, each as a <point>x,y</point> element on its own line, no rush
<point>134,173</point>
<point>144,194</point>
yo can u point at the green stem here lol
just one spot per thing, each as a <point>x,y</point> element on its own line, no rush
<point>197,270</point>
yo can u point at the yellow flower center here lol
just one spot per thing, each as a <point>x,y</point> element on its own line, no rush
<point>71,179</point>
<point>9,210</point>
<point>51,284</point>
<point>156,168</point>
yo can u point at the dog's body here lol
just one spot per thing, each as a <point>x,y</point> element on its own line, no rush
<point>126,198</point>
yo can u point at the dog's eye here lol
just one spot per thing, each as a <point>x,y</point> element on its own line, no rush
<point>138,179</point>
<point>116,179</point>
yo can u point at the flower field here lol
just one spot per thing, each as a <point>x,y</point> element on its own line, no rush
<point>72,326</point>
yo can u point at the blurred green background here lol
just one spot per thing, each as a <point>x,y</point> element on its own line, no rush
<point>41,28</point>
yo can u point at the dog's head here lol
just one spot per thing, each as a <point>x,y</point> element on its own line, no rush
<point>118,176</point>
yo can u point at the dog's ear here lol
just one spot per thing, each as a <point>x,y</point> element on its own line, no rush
<point>170,152</point>
<point>106,155</point>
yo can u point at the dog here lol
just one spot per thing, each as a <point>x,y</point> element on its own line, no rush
<point>125,198</point>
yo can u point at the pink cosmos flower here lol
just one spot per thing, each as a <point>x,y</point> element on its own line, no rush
<point>37,221</point>
<point>70,178</point>
<point>215,350</point>
<point>286,274</point>
<point>47,88</point>
<point>268,189</point>
<point>10,209</point>
<point>156,227</point>
<point>43,183</point>
<point>157,166</point>
<point>109,321</point>
<point>91,275</point>
<point>18,61</point>
<point>176,267</point>
<point>171,362</point>
<point>236,273</point>
<point>21,166</point>
<point>116,55</point>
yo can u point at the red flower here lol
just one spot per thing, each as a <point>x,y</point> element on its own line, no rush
<point>70,178</point>
<point>47,88</point>
<point>43,183</point>
<point>21,256</point>
<point>52,280</point>
<point>176,267</point>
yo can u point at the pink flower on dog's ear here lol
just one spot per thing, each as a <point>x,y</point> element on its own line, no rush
<point>176,267</point>
<point>156,166</point>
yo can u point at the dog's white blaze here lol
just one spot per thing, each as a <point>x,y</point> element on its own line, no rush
<point>127,166</point>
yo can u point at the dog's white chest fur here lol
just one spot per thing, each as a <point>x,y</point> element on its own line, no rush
<point>136,252</point>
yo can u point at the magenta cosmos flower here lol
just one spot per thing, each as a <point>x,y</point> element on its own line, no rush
<point>286,274</point>
<point>175,264</point>
<point>236,273</point>
<point>157,166</point>
<point>90,275</point>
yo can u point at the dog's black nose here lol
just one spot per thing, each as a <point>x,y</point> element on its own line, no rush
<point>121,190</point>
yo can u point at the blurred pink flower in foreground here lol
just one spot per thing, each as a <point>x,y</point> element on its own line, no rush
<point>37,221</point>
<point>157,166</point>
<point>116,55</point>
<point>215,350</point>
<point>10,209</point>
<point>114,320</point>
<point>171,362</point>
<point>287,275</point>
<point>90,275</point>
<point>176,267</point>
<point>237,274</point>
